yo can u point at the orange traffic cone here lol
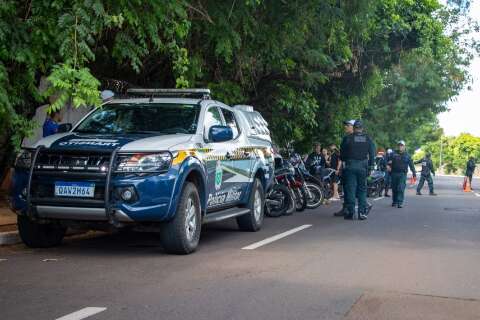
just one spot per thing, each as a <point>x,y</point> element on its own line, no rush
<point>413,180</point>
<point>466,186</point>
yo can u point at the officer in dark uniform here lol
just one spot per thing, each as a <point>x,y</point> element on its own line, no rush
<point>348,128</point>
<point>470,169</point>
<point>357,152</point>
<point>427,171</point>
<point>399,163</point>
<point>388,178</point>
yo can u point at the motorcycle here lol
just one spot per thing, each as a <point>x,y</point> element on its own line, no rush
<point>312,187</point>
<point>279,200</point>
<point>375,183</point>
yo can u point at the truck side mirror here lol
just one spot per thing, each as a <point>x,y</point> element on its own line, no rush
<point>220,134</point>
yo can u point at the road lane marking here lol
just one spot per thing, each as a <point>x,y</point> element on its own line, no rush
<point>477,194</point>
<point>379,198</point>
<point>82,313</point>
<point>259,244</point>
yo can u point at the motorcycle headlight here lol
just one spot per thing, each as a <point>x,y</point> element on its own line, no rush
<point>144,163</point>
<point>24,159</point>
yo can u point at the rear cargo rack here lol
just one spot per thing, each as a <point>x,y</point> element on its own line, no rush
<point>180,93</point>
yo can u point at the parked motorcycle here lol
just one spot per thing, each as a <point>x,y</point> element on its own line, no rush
<point>279,199</point>
<point>295,185</point>
<point>375,183</point>
<point>312,185</point>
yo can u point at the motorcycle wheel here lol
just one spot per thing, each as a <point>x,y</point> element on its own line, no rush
<point>381,188</point>
<point>282,194</point>
<point>293,203</point>
<point>316,195</point>
<point>300,198</point>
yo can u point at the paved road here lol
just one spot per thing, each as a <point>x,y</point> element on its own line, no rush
<point>419,262</point>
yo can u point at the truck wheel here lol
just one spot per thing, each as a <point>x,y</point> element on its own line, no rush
<point>36,235</point>
<point>252,221</point>
<point>181,235</point>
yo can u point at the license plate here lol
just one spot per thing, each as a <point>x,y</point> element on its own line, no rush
<point>74,189</point>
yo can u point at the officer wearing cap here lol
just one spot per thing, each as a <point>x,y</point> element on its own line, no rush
<point>427,171</point>
<point>348,127</point>
<point>398,165</point>
<point>357,153</point>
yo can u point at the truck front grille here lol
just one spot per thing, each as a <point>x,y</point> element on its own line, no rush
<point>72,162</point>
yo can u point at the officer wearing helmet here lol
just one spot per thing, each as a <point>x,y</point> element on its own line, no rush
<point>357,153</point>
<point>398,166</point>
<point>427,171</point>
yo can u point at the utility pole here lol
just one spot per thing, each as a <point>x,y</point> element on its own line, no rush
<point>441,152</point>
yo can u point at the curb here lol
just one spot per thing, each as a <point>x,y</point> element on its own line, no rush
<point>12,237</point>
<point>9,238</point>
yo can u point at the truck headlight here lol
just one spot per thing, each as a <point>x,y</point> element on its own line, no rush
<point>24,159</point>
<point>144,163</point>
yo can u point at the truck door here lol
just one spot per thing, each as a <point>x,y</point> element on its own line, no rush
<point>219,160</point>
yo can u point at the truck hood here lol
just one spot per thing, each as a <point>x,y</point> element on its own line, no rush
<point>126,142</point>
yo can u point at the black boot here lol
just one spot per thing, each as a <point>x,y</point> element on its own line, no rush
<point>340,213</point>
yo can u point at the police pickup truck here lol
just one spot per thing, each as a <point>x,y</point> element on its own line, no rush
<point>163,160</point>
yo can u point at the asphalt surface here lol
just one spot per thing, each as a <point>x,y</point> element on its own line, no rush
<point>419,262</point>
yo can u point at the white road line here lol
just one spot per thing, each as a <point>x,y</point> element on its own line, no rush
<point>82,313</point>
<point>477,194</point>
<point>379,198</point>
<point>256,245</point>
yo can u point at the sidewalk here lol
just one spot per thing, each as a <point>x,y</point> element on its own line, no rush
<point>8,226</point>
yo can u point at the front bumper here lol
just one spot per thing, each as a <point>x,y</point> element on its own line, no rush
<point>32,193</point>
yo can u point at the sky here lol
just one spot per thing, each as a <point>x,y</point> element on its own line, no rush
<point>464,114</point>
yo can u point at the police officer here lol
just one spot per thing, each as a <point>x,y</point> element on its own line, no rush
<point>357,152</point>
<point>427,171</point>
<point>388,178</point>
<point>315,160</point>
<point>348,128</point>
<point>399,163</point>
<point>470,170</point>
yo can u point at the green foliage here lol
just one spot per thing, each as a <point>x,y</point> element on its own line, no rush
<point>455,151</point>
<point>75,85</point>
<point>306,65</point>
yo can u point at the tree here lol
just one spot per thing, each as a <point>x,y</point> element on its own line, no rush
<point>306,65</point>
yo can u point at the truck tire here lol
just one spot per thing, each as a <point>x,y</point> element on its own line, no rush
<point>36,235</point>
<point>253,220</point>
<point>182,234</point>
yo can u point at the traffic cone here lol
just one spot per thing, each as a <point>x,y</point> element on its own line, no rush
<point>413,180</point>
<point>467,187</point>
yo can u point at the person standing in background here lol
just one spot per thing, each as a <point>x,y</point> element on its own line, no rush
<point>335,165</point>
<point>388,176</point>
<point>51,124</point>
<point>427,171</point>
<point>470,170</point>
<point>399,164</point>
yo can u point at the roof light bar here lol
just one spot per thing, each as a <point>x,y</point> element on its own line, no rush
<point>194,93</point>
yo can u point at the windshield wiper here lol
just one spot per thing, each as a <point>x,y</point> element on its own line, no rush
<point>142,132</point>
<point>86,131</point>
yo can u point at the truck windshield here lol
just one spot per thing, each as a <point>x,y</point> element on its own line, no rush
<point>141,118</point>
